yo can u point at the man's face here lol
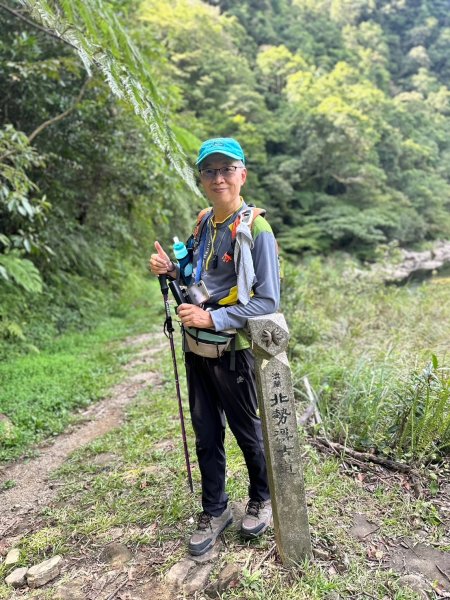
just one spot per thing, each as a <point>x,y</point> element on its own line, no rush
<point>222,186</point>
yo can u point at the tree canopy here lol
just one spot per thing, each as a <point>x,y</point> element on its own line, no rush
<point>343,109</point>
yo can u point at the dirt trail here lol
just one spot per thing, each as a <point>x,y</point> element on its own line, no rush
<point>34,489</point>
<point>86,576</point>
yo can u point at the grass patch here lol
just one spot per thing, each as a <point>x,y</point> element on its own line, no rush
<point>134,478</point>
<point>40,391</point>
<point>376,355</point>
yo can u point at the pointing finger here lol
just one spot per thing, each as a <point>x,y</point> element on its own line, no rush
<point>160,251</point>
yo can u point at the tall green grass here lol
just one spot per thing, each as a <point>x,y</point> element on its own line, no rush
<point>134,478</point>
<point>423,425</point>
<point>40,391</point>
<point>376,355</point>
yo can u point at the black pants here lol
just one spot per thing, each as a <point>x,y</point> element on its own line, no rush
<point>215,392</point>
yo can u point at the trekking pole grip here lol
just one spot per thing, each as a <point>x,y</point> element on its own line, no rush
<point>163,284</point>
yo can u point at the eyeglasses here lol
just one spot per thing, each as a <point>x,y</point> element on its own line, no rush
<point>226,172</point>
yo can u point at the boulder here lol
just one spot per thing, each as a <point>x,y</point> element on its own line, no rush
<point>12,557</point>
<point>415,265</point>
<point>115,554</point>
<point>17,578</point>
<point>40,574</point>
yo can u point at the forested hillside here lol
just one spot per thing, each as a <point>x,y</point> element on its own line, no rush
<point>343,109</point>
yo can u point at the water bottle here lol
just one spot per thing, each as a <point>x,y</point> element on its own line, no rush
<point>182,256</point>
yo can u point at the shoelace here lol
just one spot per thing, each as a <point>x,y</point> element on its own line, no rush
<point>253,507</point>
<point>204,521</point>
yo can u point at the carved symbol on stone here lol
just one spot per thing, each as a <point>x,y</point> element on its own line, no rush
<point>275,336</point>
<point>266,337</point>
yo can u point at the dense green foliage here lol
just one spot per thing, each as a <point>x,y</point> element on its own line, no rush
<point>343,109</point>
<point>79,195</point>
<point>376,356</point>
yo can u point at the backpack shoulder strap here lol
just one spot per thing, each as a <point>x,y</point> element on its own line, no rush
<point>247,216</point>
<point>202,216</point>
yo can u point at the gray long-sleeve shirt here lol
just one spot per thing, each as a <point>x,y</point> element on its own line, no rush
<point>219,274</point>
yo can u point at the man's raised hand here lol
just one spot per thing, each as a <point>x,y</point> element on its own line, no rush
<point>160,263</point>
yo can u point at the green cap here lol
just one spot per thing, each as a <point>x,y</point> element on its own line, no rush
<point>227,146</point>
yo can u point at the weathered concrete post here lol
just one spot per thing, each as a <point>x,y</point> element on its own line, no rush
<point>270,337</point>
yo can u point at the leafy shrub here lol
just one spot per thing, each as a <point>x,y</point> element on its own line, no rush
<point>422,425</point>
<point>20,271</point>
<point>360,342</point>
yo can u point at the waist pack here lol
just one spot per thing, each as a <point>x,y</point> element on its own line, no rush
<point>207,342</point>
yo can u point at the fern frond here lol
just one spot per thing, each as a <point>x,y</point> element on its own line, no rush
<point>100,40</point>
<point>11,329</point>
<point>21,271</point>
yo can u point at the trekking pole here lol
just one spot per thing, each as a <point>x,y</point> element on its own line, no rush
<point>168,331</point>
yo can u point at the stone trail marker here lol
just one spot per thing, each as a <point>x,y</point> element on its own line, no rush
<point>270,338</point>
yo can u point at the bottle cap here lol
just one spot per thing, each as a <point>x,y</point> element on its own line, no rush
<point>176,240</point>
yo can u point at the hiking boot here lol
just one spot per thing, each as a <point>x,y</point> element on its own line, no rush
<point>208,528</point>
<point>257,518</point>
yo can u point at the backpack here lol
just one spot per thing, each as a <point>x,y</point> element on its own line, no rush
<point>247,216</point>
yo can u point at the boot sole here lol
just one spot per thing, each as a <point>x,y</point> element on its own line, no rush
<point>249,535</point>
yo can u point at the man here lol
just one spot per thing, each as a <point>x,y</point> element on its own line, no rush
<point>225,387</point>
